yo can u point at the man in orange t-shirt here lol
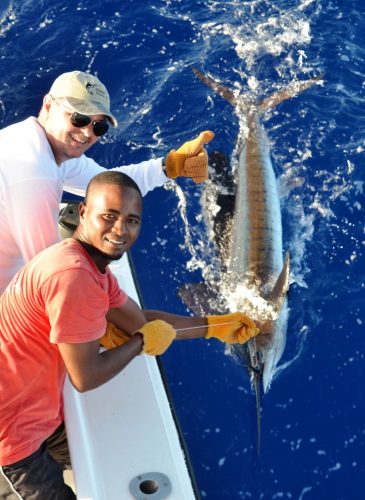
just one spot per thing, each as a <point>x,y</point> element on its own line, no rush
<point>63,273</point>
<point>52,316</point>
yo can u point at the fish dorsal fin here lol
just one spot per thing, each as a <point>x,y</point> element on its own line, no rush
<point>292,91</point>
<point>278,293</point>
<point>221,90</point>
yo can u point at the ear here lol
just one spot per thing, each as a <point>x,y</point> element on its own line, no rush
<point>82,208</point>
<point>47,101</point>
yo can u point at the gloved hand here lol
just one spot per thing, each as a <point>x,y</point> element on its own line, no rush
<point>234,328</point>
<point>191,159</point>
<point>157,337</point>
<point>113,337</point>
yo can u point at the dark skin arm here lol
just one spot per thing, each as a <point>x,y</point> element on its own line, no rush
<point>181,322</point>
<point>187,322</point>
<point>128,317</point>
<point>87,367</point>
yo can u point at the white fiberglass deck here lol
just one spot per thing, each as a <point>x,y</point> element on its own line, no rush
<point>122,436</point>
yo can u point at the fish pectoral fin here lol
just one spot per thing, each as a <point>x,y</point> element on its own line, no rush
<point>198,297</point>
<point>281,287</point>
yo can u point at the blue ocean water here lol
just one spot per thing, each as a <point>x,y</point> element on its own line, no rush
<point>313,415</point>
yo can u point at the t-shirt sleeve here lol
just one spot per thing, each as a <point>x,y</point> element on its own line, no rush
<point>117,296</point>
<point>76,305</point>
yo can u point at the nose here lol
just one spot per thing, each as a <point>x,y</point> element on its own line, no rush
<point>88,130</point>
<point>120,227</point>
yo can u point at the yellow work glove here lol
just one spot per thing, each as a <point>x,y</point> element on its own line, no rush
<point>191,159</point>
<point>234,328</point>
<point>113,337</point>
<point>157,337</point>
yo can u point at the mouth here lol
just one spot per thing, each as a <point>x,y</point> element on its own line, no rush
<point>79,140</point>
<point>116,243</point>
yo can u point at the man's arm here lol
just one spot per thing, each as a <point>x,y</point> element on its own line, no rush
<point>129,317</point>
<point>190,160</point>
<point>148,174</point>
<point>87,367</point>
<point>233,328</point>
<point>187,327</point>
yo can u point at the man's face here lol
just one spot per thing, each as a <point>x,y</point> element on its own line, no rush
<point>111,219</point>
<point>66,140</point>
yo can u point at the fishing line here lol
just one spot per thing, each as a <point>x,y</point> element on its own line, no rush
<point>202,326</point>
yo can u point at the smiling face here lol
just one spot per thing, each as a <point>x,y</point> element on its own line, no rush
<point>110,221</point>
<point>66,140</point>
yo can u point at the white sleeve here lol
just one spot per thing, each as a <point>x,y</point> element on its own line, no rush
<point>147,175</point>
<point>32,214</point>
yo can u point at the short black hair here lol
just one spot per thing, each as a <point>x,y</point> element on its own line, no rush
<point>112,177</point>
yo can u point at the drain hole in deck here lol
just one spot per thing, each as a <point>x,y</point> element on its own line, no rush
<point>149,487</point>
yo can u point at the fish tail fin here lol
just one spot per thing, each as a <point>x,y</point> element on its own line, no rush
<point>291,91</point>
<point>219,89</point>
<point>269,102</point>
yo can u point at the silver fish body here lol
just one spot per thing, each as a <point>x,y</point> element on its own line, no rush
<point>256,251</point>
<point>254,240</point>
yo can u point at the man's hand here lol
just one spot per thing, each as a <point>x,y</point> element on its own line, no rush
<point>113,337</point>
<point>234,328</point>
<point>157,337</point>
<point>191,159</point>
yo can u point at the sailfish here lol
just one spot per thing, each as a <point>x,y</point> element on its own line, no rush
<point>250,235</point>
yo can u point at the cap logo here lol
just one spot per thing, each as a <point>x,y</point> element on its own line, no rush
<point>93,89</point>
<point>90,88</point>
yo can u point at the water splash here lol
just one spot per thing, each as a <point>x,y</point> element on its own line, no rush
<point>247,298</point>
<point>263,28</point>
<point>181,198</point>
<point>7,18</point>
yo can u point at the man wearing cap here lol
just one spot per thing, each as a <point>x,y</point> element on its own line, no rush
<point>42,157</point>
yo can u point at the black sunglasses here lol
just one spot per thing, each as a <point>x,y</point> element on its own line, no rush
<point>100,127</point>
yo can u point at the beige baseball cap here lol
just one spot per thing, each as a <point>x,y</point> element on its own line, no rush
<point>83,93</point>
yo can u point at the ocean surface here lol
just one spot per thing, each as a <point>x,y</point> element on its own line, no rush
<point>313,430</point>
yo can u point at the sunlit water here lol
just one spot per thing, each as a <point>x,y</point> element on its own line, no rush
<point>312,417</point>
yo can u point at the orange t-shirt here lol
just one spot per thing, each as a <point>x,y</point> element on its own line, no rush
<point>59,296</point>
